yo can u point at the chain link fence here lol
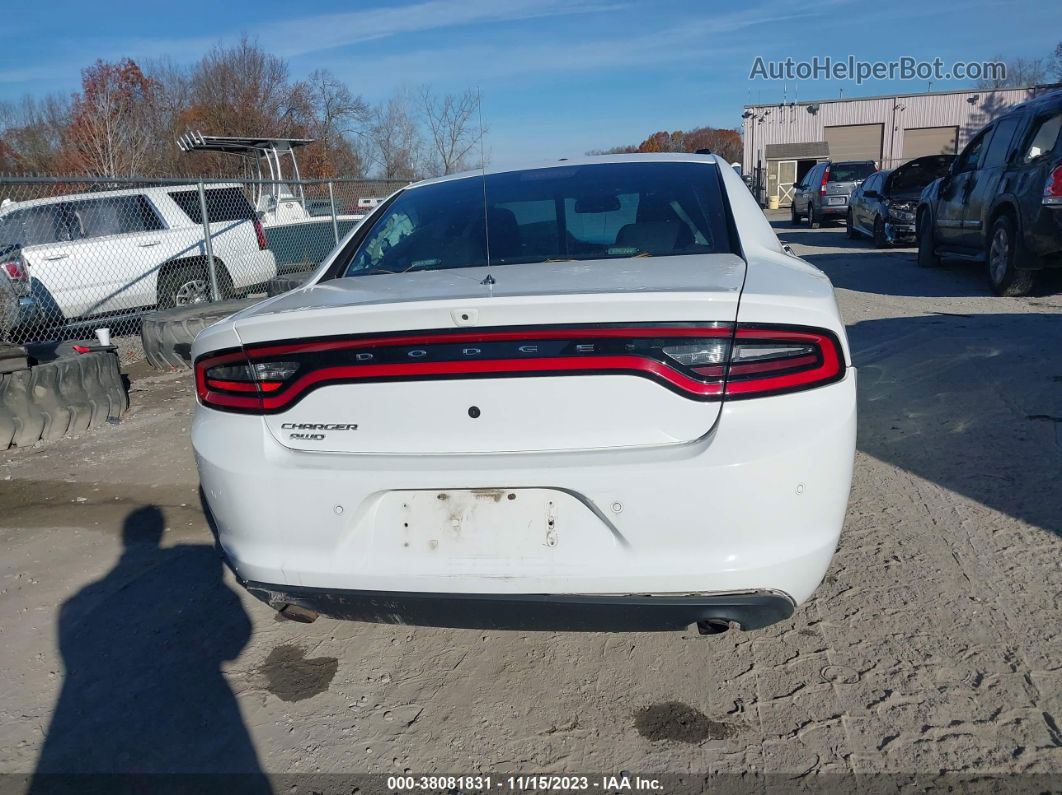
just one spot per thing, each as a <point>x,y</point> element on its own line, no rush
<point>80,253</point>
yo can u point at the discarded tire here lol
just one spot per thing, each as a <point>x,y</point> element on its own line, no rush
<point>12,357</point>
<point>58,398</point>
<point>283,284</point>
<point>167,335</point>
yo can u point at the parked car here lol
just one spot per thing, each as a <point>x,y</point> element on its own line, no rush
<point>823,193</point>
<point>17,305</point>
<point>88,254</point>
<point>883,206</point>
<point>594,394</point>
<point>1001,201</point>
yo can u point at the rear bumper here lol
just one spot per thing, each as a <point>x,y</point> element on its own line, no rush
<point>756,505</point>
<point>1044,236</point>
<point>831,210</point>
<point>628,613</point>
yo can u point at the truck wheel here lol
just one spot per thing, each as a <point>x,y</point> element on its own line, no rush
<point>927,257</point>
<point>64,396</point>
<point>167,335</point>
<point>12,358</point>
<point>283,284</point>
<point>21,412</point>
<point>1004,255</point>
<point>189,285</point>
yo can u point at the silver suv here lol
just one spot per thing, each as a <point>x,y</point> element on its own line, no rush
<point>824,192</point>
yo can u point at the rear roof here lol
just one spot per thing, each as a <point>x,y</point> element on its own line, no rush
<point>587,160</point>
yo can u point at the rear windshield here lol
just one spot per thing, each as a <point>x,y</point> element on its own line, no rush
<point>611,210</point>
<point>223,204</point>
<point>850,172</point>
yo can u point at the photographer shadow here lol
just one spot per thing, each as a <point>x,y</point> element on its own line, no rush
<point>144,693</point>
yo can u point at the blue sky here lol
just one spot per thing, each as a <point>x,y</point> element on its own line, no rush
<point>557,77</point>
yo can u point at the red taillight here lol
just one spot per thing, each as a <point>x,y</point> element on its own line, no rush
<point>1053,187</point>
<point>825,179</point>
<point>259,232</point>
<point>230,380</point>
<point>769,360</point>
<point>698,361</point>
<point>16,270</point>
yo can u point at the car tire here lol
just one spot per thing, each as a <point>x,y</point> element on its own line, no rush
<point>53,399</point>
<point>849,227</point>
<point>286,283</point>
<point>880,240</point>
<point>189,285</point>
<point>813,220</point>
<point>794,216</point>
<point>1004,254</point>
<point>927,257</point>
<point>167,335</point>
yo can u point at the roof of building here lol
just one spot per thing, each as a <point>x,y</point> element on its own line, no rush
<point>1039,88</point>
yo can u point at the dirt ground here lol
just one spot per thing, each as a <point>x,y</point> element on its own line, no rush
<point>932,647</point>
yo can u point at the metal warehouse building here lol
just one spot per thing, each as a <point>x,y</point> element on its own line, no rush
<point>788,138</point>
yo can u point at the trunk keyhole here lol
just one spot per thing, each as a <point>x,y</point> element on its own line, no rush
<point>473,411</point>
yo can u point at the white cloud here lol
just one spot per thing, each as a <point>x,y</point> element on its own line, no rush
<point>327,31</point>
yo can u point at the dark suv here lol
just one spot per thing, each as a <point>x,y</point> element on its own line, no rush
<point>1001,201</point>
<point>823,193</point>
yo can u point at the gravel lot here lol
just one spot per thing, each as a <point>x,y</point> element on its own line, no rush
<point>932,647</point>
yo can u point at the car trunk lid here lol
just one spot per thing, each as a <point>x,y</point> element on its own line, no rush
<point>551,356</point>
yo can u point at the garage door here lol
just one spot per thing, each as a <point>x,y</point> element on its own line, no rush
<point>921,141</point>
<point>855,142</point>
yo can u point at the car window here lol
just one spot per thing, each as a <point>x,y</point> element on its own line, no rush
<point>1000,143</point>
<point>34,226</point>
<point>113,215</point>
<point>223,204</point>
<point>1043,137</point>
<point>594,211</point>
<point>971,154</point>
<point>850,172</point>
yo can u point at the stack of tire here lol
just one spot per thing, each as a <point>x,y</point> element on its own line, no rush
<point>62,393</point>
<point>167,335</point>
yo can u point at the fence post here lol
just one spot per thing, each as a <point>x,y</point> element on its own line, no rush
<point>208,246</point>
<point>335,222</point>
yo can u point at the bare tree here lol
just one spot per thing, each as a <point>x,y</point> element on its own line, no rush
<point>110,133</point>
<point>31,132</point>
<point>453,127</point>
<point>1019,72</point>
<point>394,141</point>
<point>337,116</point>
<point>243,90</point>
<point>171,101</point>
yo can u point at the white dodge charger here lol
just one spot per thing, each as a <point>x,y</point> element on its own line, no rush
<point>597,394</point>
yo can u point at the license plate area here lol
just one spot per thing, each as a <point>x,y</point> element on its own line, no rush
<point>482,524</point>
<point>835,200</point>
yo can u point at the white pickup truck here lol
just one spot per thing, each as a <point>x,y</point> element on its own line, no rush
<point>89,254</point>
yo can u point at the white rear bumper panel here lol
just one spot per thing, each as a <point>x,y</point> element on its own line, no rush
<point>757,503</point>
